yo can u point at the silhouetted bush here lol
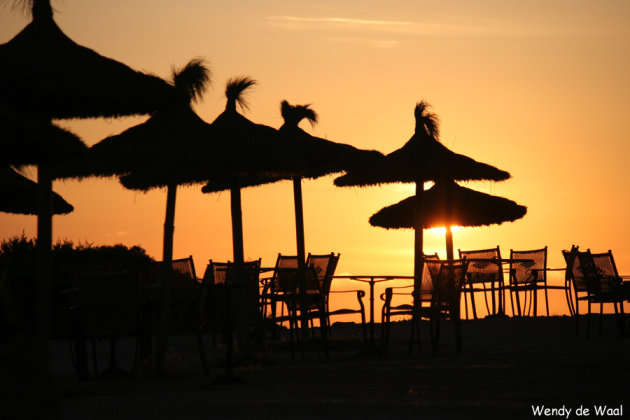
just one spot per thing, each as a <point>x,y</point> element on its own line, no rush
<point>19,270</point>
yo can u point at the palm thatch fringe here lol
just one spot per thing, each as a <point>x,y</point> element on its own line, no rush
<point>18,195</point>
<point>46,73</point>
<point>449,204</point>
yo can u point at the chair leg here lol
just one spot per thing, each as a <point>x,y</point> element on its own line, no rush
<point>569,296</point>
<point>458,334</point>
<point>588,322</point>
<point>472,301</point>
<point>465,300</point>
<point>576,315</point>
<point>414,319</point>
<point>385,319</point>
<point>518,300</point>
<point>434,343</point>
<point>546,299</point>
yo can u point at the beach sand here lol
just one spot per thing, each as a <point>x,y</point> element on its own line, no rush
<point>507,365</point>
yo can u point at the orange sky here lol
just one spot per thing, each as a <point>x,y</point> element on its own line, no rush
<point>537,88</point>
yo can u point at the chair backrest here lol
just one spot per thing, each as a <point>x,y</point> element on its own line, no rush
<point>252,273</point>
<point>216,273</point>
<point>483,270</point>
<point>426,283</point>
<point>599,271</point>
<point>109,302</point>
<point>528,271</point>
<point>324,266</point>
<point>448,278</point>
<point>573,270</point>
<point>186,267</point>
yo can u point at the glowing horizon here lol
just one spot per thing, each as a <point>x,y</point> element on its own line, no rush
<point>537,89</point>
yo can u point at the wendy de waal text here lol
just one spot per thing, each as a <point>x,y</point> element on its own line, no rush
<point>581,411</point>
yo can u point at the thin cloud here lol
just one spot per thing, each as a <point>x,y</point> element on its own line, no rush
<point>446,28</point>
<point>378,43</point>
<point>333,20</point>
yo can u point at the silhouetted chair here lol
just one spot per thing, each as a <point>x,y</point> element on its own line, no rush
<point>185,291</point>
<point>603,285</point>
<point>224,302</point>
<point>271,296</point>
<point>448,279</point>
<point>108,307</point>
<point>571,294</point>
<point>325,266</point>
<point>528,276</point>
<point>421,298</point>
<point>305,302</point>
<point>482,273</point>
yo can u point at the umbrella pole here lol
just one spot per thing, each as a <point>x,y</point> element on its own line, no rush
<point>237,226</point>
<point>44,278</point>
<point>167,265</point>
<point>169,224</point>
<point>238,288</point>
<point>449,243</point>
<point>299,220</point>
<point>418,261</point>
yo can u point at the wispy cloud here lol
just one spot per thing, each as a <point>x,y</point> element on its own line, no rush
<point>339,21</point>
<point>378,43</point>
<point>444,27</point>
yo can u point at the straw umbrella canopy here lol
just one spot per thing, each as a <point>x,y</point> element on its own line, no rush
<point>31,140</point>
<point>258,155</point>
<point>318,157</point>
<point>448,204</point>
<point>18,195</point>
<point>166,146</point>
<point>322,157</point>
<point>422,158</point>
<point>46,73</point>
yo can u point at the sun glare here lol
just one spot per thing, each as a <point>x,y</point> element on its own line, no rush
<point>442,230</point>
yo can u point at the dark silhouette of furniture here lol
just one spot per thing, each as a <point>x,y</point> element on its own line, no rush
<point>107,307</point>
<point>603,285</point>
<point>271,299</point>
<point>420,303</point>
<point>301,293</point>
<point>529,277</point>
<point>324,266</point>
<point>488,271</point>
<point>448,278</point>
<point>228,300</point>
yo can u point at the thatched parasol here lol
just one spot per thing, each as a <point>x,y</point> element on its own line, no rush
<point>422,158</point>
<point>18,195</point>
<point>162,151</point>
<point>31,140</point>
<point>316,156</point>
<point>256,157</point>
<point>322,157</point>
<point>44,72</point>
<point>448,204</point>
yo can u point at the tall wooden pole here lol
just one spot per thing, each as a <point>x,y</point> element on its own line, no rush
<point>299,220</point>
<point>165,273</point>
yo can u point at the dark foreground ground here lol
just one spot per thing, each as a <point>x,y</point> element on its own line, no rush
<point>506,367</point>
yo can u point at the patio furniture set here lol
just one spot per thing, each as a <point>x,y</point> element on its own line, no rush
<point>295,301</point>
